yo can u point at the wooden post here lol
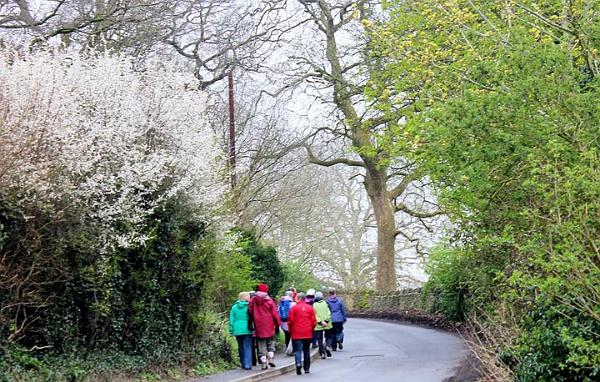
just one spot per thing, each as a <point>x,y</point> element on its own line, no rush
<point>231,132</point>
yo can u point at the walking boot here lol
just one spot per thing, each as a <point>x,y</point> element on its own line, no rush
<point>299,370</point>
<point>271,359</point>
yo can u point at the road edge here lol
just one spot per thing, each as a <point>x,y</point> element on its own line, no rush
<point>273,372</point>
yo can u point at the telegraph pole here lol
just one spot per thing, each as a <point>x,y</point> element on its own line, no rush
<point>231,132</point>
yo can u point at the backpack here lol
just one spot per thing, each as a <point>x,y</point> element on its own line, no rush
<point>284,309</point>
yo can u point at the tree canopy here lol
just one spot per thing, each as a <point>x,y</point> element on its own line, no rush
<point>506,120</point>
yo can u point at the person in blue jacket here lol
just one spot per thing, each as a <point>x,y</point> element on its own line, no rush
<point>240,327</point>
<point>335,335</point>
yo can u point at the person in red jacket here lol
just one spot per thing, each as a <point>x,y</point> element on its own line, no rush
<point>263,311</point>
<point>302,321</point>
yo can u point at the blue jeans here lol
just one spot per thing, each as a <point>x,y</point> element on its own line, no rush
<point>245,350</point>
<point>302,347</point>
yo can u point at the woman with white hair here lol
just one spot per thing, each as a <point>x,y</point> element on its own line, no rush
<point>239,326</point>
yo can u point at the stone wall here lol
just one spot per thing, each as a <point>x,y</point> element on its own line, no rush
<point>395,301</point>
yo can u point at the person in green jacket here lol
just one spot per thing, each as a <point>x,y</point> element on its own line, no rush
<point>323,323</point>
<point>239,326</point>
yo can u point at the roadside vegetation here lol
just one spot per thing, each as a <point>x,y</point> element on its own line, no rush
<point>110,267</point>
<point>464,135</point>
<point>505,119</point>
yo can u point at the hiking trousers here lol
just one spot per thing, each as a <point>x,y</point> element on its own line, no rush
<point>335,335</point>
<point>266,346</point>
<point>319,339</point>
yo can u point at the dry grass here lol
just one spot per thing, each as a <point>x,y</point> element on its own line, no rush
<point>485,337</point>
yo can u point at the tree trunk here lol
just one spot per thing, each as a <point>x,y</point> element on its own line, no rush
<point>375,183</point>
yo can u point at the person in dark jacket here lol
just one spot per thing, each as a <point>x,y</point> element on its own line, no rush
<point>239,326</point>
<point>263,311</point>
<point>302,321</point>
<point>335,335</point>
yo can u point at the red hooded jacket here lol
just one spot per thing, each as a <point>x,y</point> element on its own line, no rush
<point>264,313</point>
<point>302,321</point>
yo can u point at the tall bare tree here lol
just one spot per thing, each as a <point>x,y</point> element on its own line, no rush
<point>325,227</point>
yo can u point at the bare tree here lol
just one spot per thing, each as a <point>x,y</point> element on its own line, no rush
<point>325,227</point>
<point>220,35</point>
<point>136,25</point>
<point>347,254</point>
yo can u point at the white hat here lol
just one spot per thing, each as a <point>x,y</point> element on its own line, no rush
<point>310,292</point>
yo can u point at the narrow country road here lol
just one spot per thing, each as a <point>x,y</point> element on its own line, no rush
<point>376,351</point>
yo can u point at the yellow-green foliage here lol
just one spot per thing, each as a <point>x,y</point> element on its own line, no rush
<point>505,118</point>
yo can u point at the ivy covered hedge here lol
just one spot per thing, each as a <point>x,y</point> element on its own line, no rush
<point>65,304</point>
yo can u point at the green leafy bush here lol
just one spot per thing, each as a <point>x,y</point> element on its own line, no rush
<point>266,266</point>
<point>231,272</point>
<point>295,275</point>
<point>559,344</point>
<point>505,121</point>
<point>448,281</point>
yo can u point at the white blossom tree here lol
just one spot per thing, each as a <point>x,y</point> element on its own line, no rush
<point>87,131</point>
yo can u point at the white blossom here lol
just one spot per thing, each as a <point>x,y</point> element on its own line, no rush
<point>114,142</point>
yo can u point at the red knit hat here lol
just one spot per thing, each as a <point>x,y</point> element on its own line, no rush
<point>263,288</point>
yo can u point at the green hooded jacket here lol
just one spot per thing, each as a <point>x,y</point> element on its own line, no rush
<point>323,314</point>
<point>238,319</point>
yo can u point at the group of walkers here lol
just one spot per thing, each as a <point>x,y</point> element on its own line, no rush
<point>308,320</point>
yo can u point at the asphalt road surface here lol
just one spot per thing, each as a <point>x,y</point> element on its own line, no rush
<point>376,351</point>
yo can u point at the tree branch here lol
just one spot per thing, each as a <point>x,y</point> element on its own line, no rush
<point>418,214</point>
<point>545,20</point>
<point>401,187</point>
<point>331,162</point>
<point>406,236</point>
